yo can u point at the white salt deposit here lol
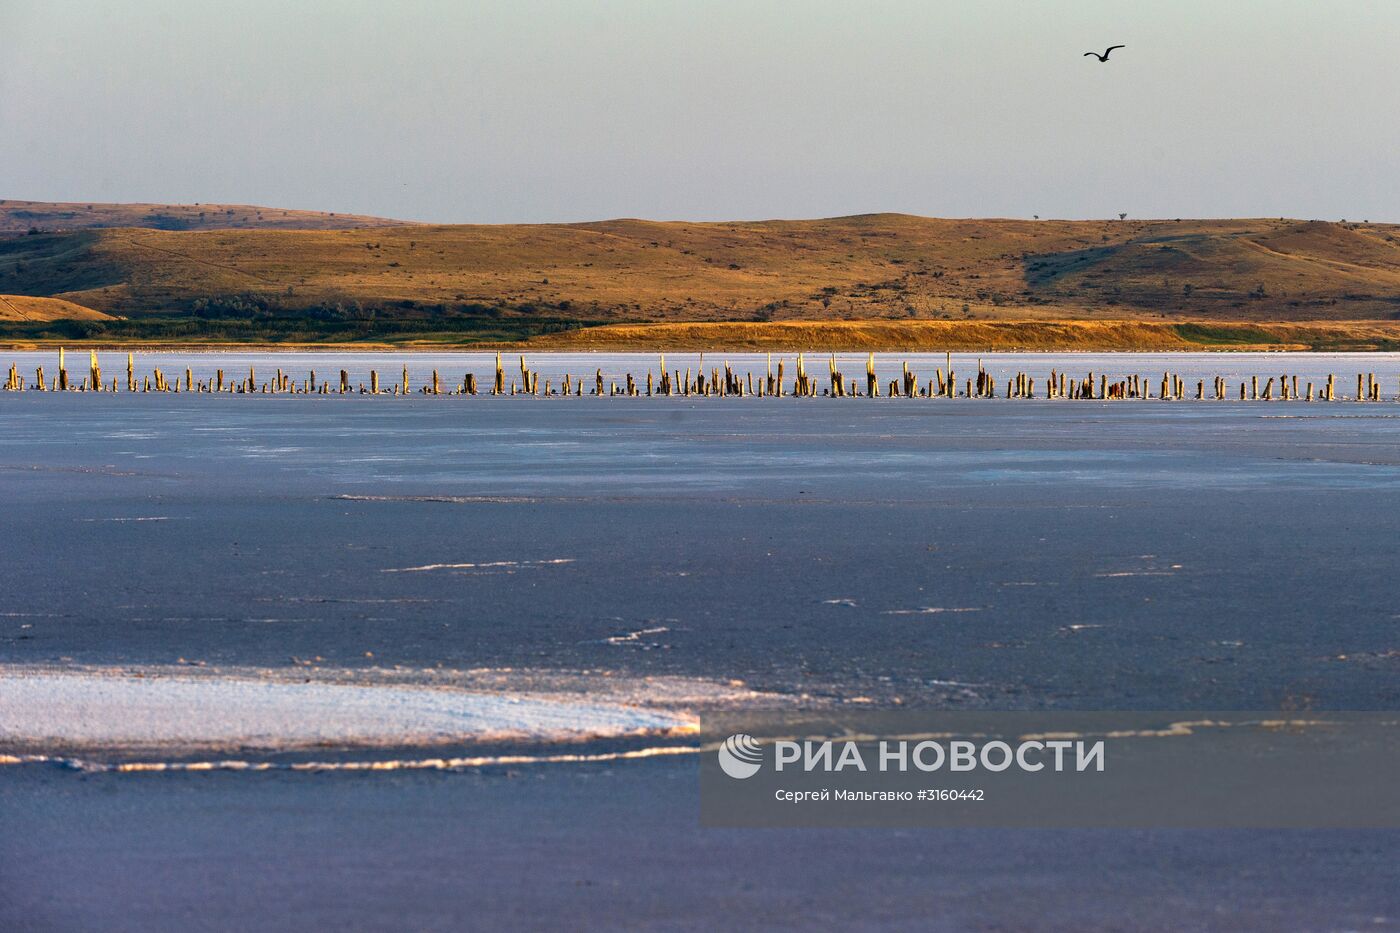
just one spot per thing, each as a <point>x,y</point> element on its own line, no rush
<point>109,709</point>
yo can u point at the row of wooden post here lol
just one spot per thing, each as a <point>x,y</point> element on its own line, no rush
<point>722,383</point>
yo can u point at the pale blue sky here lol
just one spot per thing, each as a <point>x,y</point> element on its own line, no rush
<point>540,110</point>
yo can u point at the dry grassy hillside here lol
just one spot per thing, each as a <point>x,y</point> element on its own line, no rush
<point>853,268</point>
<point>25,308</point>
<point>20,217</point>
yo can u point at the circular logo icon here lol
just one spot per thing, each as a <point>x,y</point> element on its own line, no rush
<point>740,756</point>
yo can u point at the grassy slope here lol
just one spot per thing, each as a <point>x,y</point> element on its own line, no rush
<point>26,308</point>
<point>18,217</point>
<point>881,266</point>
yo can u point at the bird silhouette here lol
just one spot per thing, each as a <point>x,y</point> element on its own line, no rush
<point>1104,56</point>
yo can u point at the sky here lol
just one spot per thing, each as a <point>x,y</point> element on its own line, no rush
<point>477,111</point>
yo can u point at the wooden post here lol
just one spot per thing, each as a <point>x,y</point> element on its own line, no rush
<point>374,382</point>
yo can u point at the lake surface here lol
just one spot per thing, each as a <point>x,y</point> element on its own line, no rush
<point>1125,555</point>
<point>1119,554</point>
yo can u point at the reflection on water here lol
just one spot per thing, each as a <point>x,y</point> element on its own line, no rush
<point>452,367</point>
<point>852,448</point>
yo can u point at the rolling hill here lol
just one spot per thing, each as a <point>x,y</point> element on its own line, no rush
<point>18,218</point>
<point>469,281</point>
<point>25,308</point>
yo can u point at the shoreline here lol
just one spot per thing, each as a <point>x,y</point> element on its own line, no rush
<point>1047,336</point>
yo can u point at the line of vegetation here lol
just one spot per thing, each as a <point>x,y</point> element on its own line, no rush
<point>1224,334</point>
<point>1246,335</point>
<point>223,330</point>
<point>288,331</point>
<point>261,319</point>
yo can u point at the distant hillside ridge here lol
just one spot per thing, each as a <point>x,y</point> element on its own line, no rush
<point>878,266</point>
<point>18,218</point>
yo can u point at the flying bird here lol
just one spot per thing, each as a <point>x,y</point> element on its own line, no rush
<point>1104,56</point>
